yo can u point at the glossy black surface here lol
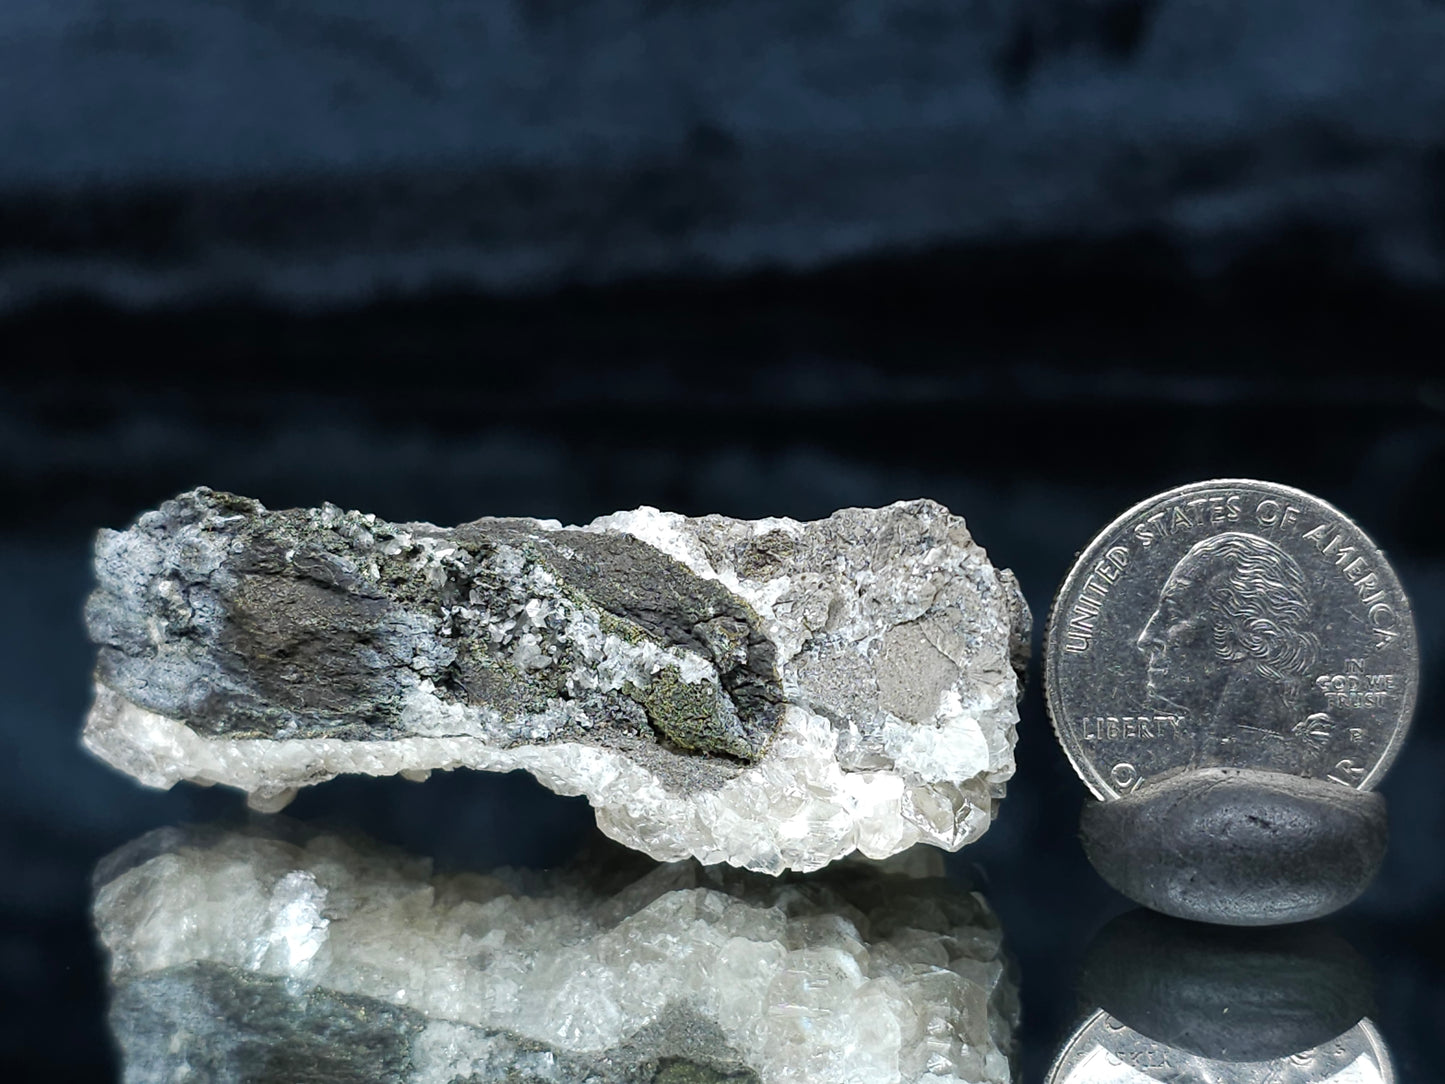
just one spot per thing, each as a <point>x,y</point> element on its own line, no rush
<point>1037,402</point>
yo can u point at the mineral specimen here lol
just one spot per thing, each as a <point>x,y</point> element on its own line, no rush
<point>275,954</point>
<point>772,694</point>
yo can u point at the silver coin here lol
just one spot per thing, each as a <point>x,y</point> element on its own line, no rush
<point>1104,1051</point>
<point>1230,623</point>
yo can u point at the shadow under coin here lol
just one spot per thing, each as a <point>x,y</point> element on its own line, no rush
<point>279,953</point>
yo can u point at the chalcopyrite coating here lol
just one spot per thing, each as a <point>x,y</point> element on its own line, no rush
<point>769,693</point>
<point>243,957</point>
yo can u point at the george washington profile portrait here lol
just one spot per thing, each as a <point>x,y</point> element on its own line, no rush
<point>1230,640</point>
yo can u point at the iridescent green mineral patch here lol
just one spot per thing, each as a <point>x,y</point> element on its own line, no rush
<point>691,715</point>
<point>682,1071</point>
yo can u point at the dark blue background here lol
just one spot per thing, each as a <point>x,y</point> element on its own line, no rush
<point>1035,259</point>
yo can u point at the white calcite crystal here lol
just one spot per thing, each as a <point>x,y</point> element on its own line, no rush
<point>770,693</point>
<point>278,954</point>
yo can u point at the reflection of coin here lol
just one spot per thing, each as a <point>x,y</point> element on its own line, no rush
<point>1104,1051</point>
<point>1231,623</point>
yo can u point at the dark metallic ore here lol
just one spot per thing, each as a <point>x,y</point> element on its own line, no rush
<point>318,623</point>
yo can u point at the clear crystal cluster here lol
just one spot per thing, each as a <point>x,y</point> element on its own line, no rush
<point>772,694</point>
<point>225,947</point>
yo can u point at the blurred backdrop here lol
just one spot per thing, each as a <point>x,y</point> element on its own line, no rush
<point>1035,259</point>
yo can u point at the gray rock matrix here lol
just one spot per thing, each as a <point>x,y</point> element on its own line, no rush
<point>769,693</point>
<point>278,954</point>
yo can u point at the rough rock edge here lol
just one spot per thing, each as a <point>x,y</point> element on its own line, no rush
<point>151,747</point>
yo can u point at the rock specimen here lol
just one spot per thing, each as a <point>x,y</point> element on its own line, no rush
<point>277,955</point>
<point>772,694</point>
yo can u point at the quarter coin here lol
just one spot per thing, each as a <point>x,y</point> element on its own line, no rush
<point>1230,623</point>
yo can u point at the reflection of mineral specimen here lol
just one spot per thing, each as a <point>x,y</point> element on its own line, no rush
<point>287,956</point>
<point>773,694</point>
